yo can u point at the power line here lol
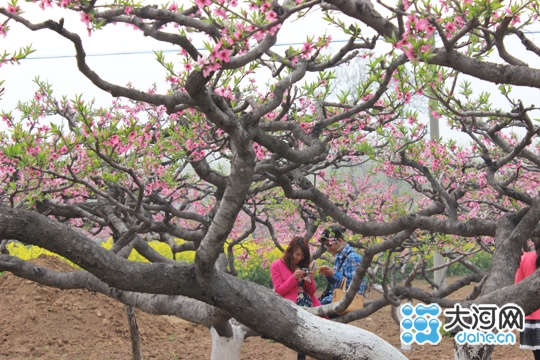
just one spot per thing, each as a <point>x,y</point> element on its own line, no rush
<point>146,52</point>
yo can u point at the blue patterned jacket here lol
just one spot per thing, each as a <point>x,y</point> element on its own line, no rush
<point>344,265</point>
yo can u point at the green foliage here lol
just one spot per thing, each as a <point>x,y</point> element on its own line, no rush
<point>255,269</point>
<point>445,333</point>
<point>480,259</point>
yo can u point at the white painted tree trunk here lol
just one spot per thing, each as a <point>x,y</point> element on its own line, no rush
<point>224,348</point>
<point>472,352</point>
<point>338,338</point>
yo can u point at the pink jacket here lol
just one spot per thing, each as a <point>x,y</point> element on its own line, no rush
<point>526,268</point>
<point>286,285</point>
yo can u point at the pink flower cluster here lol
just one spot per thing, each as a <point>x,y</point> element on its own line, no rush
<point>13,9</point>
<point>3,31</point>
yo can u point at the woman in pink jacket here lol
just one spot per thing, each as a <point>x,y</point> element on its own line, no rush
<point>529,339</point>
<point>288,278</point>
<point>293,283</point>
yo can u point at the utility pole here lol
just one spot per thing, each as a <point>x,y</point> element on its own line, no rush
<point>438,259</point>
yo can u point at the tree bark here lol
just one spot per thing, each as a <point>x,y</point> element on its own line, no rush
<point>227,347</point>
<point>134,333</point>
<point>472,352</point>
<point>511,233</point>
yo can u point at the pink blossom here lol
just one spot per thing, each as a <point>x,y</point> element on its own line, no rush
<point>64,3</point>
<point>203,3</point>
<point>239,26</point>
<point>266,6</point>
<point>421,25</point>
<point>328,41</point>
<point>408,97</point>
<point>188,66</point>
<point>215,67</point>
<point>86,18</point>
<point>45,3</point>
<point>450,26</point>
<point>430,29</point>
<point>259,35</point>
<point>402,44</point>
<point>425,48</point>
<point>271,16</point>
<point>173,7</point>
<point>13,9</point>
<point>307,49</point>
<point>410,53</point>
<point>224,55</point>
<point>411,22</point>
<point>211,68</point>
<point>221,12</point>
<point>237,34</point>
<point>128,10</point>
<point>272,31</point>
<point>201,61</point>
<point>3,30</point>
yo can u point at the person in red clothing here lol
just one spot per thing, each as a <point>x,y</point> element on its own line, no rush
<point>529,339</point>
<point>292,282</point>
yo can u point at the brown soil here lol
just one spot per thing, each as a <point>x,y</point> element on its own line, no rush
<point>38,322</point>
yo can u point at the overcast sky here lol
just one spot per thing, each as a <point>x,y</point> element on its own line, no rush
<point>54,61</point>
<point>140,69</point>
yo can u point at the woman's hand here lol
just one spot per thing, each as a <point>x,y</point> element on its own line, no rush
<point>311,276</point>
<point>298,273</point>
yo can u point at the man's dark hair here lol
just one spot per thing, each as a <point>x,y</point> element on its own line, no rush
<point>335,232</point>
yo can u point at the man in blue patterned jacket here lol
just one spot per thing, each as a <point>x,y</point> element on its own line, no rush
<point>344,264</point>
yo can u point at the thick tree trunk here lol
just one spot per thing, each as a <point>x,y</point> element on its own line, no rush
<point>253,305</point>
<point>226,347</point>
<point>511,233</point>
<point>472,352</point>
<point>134,333</point>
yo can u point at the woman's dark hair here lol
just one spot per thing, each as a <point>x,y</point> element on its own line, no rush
<point>536,242</point>
<point>297,242</point>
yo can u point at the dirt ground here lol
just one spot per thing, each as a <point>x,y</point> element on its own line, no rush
<point>38,322</point>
